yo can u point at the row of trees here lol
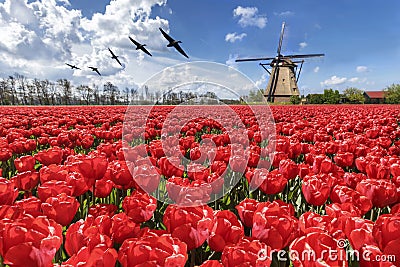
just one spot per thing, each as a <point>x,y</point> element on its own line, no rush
<point>350,95</point>
<point>18,90</point>
<point>392,93</point>
<point>330,96</point>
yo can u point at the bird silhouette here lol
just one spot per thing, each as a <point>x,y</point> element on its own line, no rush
<point>173,43</point>
<point>140,46</point>
<point>115,57</point>
<point>72,66</point>
<point>95,70</point>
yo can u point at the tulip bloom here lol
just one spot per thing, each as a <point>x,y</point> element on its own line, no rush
<point>163,250</point>
<point>61,208</point>
<point>7,192</point>
<point>315,191</point>
<point>313,250</point>
<point>246,210</point>
<point>274,224</point>
<point>227,230</point>
<point>381,192</point>
<point>247,253</point>
<point>139,206</point>
<point>191,225</point>
<point>29,241</point>
<point>25,163</point>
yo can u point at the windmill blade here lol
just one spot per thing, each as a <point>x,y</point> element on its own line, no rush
<point>281,39</point>
<point>298,74</point>
<point>272,89</point>
<point>254,59</point>
<point>304,56</point>
<point>267,70</point>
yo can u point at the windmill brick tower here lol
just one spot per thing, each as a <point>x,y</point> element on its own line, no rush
<point>284,73</point>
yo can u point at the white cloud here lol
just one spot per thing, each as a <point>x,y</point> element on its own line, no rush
<point>354,79</point>
<point>284,13</point>
<point>303,45</point>
<point>39,36</point>
<point>231,61</point>
<point>334,80</point>
<point>316,69</point>
<point>233,37</point>
<point>262,80</point>
<point>361,69</point>
<point>248,16</point>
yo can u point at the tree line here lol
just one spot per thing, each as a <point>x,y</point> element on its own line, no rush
<point>350,95</point>
<point>18,90</point>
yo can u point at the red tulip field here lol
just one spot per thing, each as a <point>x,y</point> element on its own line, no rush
<point>85,186</point>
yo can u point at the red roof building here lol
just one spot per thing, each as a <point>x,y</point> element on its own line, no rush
<point>374,97</point>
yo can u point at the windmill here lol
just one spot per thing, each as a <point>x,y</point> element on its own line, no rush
<point>284,73</point>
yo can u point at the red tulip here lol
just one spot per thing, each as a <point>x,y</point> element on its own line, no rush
<point>5,154</point>
<point>93,167</point>
<point>53,172</point>
<point>270,183</point>
<point>315,249</point>
<point>377,171</point>
<point>162,250</point>
<point>121,175</point>
<point>186,193</point>
<point>274,224</point>
<point>246,209</point>
<point>29,241</point>
<point>315,190</point>
<point>387,231</point>
<point>102,209</point>
<point>123,227</point>
<point>352,178</point>
<point>171,166</point>
<point>343,194</point>
<point>25,163</point>
<point>147,177</point>
<point>53,188</point>
<point>359,232</point>
<point>227,230</point>
<point>103,188</point>
<point>52,155</point>
<point>381,192</point>
<point>344,159</point>
<point>31,205</point>
<point>7,192</point>
<point>99,256</point>
<point>78,183</point>
<point>247,253</point>
<point>26,180</point>
<point>312,222</point>
<point>191,225</point>
<point>61,208</point>
<point>139,206</point>
<point>238,163</point>
<point>88,233</point>
<point>288,168</point>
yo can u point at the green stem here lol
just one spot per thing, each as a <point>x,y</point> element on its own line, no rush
<point>192,257</point>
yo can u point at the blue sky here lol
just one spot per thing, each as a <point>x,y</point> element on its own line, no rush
<point>361,39</point>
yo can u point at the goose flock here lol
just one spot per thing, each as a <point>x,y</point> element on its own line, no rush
<point>172,43</point>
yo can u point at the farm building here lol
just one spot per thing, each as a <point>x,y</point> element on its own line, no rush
<point>374,97</point>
